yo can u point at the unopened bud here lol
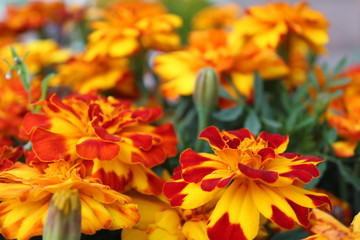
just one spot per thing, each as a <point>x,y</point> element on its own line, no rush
<point>63,220</point>
<point>206,90</point>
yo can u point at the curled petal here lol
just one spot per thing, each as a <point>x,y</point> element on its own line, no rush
<point>276,141</point>
<point>213,136</point>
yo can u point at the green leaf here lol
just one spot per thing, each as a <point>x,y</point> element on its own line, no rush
<point>293,235</point>
<point>223,93</point>
<point>258,92</point>
<point>229,114</point>
<point>305,123</point>
<point>252,123</point>
<point>348,175</point>
<point>44,88</point>
<point>271,123</point>
<point>340,66</point>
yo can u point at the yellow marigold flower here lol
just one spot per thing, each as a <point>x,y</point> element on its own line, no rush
<point>325,227</point>
<point>269,25</point>
<point>219,50</point>
<point>258,178</point>
<point>115,137</point>
<point>84,76</point>
<point>216,17</point>
<point>26,193</point>
<point>132,25</point>
<point>41,54</point>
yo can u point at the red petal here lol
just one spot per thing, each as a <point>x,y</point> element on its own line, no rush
<point>97,149</point>
<point>281,219</point>
<point>172,190</point>
<point>266,176</point>
<point>35,120</point>
<point>242,133</point>
<point>225,230</point>
<point>49,146</point>
<point>213,136</point>
<point>275,141</point>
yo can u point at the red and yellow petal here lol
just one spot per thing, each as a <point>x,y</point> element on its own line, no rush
<point>195,166</point>
<point>93,148</point>
<point>235,214</point>
<point>187,195</point>
<point>286,205</point>
<point>275,141</point>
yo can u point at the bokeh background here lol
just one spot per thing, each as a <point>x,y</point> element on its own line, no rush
<point>344,18</point>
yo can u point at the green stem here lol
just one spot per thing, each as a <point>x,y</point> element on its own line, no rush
<point>203,122</point>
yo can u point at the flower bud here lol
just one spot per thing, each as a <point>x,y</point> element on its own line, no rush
<point>63,220</point>
<point>206,90</point>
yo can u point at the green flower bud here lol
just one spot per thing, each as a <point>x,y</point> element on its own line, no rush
<point>63,220</point>
<point>206,90</point>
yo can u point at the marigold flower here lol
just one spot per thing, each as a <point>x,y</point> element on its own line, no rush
<point>325,226</point>
<point>26,194</point>
<point>111,133</point>
<point>219,50</point>
<point>132,25</point>
<point>267,25</point>
<point>84,76</point>
<point>216,17</point>
<point>344,116</point>
<point>258,177</point>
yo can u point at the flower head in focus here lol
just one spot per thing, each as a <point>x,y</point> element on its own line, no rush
<point>113,136</point>
<point>228,56</point>
<point>26,193</point>
<point>257,177</point>
<point>133,25</point>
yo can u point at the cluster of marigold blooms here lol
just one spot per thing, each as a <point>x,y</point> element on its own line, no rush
<point>89,138</point>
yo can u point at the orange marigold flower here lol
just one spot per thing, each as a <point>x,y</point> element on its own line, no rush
<point>225,54</point>
<point>325,227</point>
<point>258,177</point>
<point>132,25</point>
<point>26,193</point>
<point>114,135</point>
<point>84,76</point>
<point>270,24</point>
<point>344,116</point>
<point>216,17</point>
